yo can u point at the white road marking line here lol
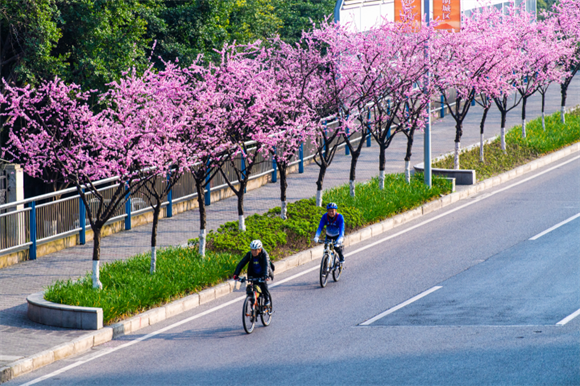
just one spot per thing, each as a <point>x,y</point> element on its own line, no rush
<point>105,352</point>
<point>568,318</point>
<point>554,227</point>
<point>398,307</point>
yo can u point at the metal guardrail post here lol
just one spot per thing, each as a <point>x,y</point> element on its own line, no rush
<point>169,198</point>
<point>442,113</point>
<point>127,211</point>
<point>82,221</point>
<point>244,169</point>
<point>301,164</point>
<point>207,187</point>
<point>369,129</point>
<point>274,168</point>
<point>346,148</point>
<point>325,133</point>
<point>32,250</point>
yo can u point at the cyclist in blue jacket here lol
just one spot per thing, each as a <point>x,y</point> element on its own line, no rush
<point>334,223</point>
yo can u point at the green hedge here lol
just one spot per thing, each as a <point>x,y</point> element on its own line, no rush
<point>519,150</point>
<point>283,238</point>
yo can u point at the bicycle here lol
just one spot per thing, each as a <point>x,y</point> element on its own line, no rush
<point>254,305</point>
<point>328,256</point>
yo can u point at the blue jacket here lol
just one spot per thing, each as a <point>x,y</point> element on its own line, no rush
<point>334,226</point>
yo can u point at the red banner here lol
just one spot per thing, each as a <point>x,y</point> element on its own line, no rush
<point>448,13</point>
<point>408,10</point>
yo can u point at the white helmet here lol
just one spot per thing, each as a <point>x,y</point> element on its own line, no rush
<point>256,244</point>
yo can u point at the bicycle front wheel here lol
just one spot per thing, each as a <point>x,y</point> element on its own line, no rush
<point>337,269</point>
<point>324,271</point>
<point>266,314</point>
<point>248,317</point>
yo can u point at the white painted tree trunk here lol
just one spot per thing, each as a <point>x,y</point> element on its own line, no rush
<point>544,121</point>
<point>283,210</point>
<point>563,114</point>
<point>381,179</point>
<point>503,139</point>
<point>319,198</point>
<point>456,157</point>
<point>351,187</point>
<point>96,282</point>
<point>408,171</point>
<point>481,147</point>
<point>202,242</point>
<point>242,224</point>
<point>153,259</point>
<point>523,128</point>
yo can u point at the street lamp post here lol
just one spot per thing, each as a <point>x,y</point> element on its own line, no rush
<point>427,137</point>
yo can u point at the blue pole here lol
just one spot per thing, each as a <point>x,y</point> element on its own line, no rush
<point>346,148</point>
<point>127,210</point>
<point>82,221</point>
<point>473,102</point>
<point>169,198</point>
<point>244,169</point>
<point>301,164</point>
<point>427,137</point>
<point>325,133</point>
<point>369,129</point>
<point>207,188</point>
<point>32,250</point>
<point>442,112</point>
<point>274,168</point>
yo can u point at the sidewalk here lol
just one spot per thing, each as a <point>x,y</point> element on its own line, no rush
<point>20,337</point>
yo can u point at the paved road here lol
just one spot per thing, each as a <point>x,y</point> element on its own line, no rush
<point>493,321</point>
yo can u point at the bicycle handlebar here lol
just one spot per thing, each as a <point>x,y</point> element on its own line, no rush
<point>243,279</point>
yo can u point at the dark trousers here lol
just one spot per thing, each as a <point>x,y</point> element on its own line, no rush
<point>337,249</point>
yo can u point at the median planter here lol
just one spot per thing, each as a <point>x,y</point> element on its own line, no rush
<point>61,315</point>
<point>461,176</point>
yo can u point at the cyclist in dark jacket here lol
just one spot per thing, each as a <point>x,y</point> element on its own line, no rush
<point>334,223</point>
<point>259,266</point>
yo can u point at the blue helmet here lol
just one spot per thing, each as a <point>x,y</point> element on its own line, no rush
<point>331,205</point>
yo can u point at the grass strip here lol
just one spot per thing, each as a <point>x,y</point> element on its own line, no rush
<point>129,288</point>
<point>519,150</point>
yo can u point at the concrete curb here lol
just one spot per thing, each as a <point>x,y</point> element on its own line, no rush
<point>156,315</point>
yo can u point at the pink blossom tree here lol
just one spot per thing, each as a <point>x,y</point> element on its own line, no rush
<point>463,60</point>
<point>53,128</point>
<point>204,136</point>
<point>157,103</point>
<point>567,13</point>
<point>292,123</point>
<point>246,84</point>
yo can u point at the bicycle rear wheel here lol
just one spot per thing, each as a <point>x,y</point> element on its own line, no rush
<point>337,269</point>
<point>266,314</point>
<point>248,316</point>
<point>324,271</point>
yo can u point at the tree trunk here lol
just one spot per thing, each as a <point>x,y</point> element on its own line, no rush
<point>242,222</point>
<point>458,134</point>
<point>564,90</point>
<point>481,127</point>
<point>408,156</point>
<point>96,257</point>
<point>502,131</point>
<point>283,187</point>
<point>319,182</point>
<point>202,218</point>
<point>525,99</point>
<point>382,161</point>
<point>352,173</point>
<point>156,211</point>
<point>543,111</point>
